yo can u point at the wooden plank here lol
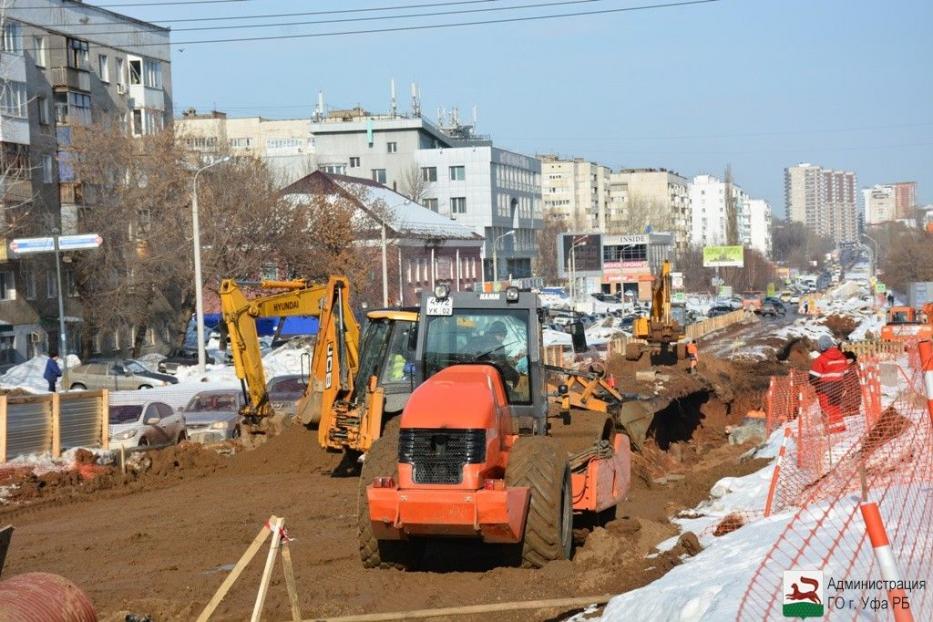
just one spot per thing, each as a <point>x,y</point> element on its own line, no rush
<point>556,603</point>
<point>3,435</point>
<point>105,419</point>
<point>276,524</point>
<point>234,575</point>
<point>56,426</point>
<point>290,582</point>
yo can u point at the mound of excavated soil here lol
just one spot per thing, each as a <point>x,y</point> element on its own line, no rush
<point>295,450</point>
<point>841,325</point>
<point>889,426</point>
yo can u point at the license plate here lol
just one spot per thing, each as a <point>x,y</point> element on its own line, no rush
<point>440,307</point>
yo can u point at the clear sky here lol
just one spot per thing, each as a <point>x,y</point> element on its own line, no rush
<point>758,84</point>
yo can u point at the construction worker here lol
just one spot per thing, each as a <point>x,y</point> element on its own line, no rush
<point>693,355</point>
<point>826,375</point>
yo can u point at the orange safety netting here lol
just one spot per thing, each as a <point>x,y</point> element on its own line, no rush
<point>880,453</point>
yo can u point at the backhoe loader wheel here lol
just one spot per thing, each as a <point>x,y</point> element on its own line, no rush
<point>539,463</point>
<point>381,460</point>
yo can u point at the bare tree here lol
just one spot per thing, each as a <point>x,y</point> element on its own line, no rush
<point>638,212</point>
<point>413,183</point>
<point>545,261</point>
<point>732,211</point>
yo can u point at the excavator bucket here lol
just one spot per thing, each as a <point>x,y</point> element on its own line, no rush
<point>635,417</point>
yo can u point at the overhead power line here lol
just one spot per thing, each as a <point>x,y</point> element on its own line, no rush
<point>417,27</point>
<point>535,5</point>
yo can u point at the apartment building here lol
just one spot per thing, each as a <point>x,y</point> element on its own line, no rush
<point>759,226</point>
<point>285,145</point>
<point>823,199</point>
<point>709,222</point>
<point>880,204</point>
<point>905,198</point>
<point>576,191</point>
<point>642,198</point>
<point>63,63</point>
<point>447,168</point>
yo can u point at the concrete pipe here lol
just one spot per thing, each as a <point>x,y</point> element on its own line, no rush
<point>43,597</point>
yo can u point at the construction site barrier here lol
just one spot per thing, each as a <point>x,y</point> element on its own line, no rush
<point>853,497</point>
<point>52,423</point>
<point>874,348</point>
<point>700,329</point>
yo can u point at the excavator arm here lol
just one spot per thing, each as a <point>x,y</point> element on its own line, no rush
<point>335,358</point>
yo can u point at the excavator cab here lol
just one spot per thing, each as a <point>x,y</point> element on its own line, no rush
<point>471,455</point>
<point>387,352</point>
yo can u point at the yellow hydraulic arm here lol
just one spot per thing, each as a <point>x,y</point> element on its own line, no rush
<point>335,358</point>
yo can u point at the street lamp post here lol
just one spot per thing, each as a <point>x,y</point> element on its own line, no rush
<point>874,253</point>
<point>198,287</point>
<point>495,258</point>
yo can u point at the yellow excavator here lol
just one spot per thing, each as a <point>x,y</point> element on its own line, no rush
<point>352,383</point>
<point>659,329</point>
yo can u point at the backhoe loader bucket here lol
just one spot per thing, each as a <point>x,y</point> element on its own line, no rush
<point>635,418</point>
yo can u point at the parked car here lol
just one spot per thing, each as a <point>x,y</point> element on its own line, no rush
<point>718,310</point>
<point>214,416</point>
<point>181,357</point>
<point>767,309</point>
<point>152,424</point>
<point>285,390</point>
<point>115,375</point>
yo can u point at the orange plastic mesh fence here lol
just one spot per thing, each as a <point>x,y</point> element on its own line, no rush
<point>836,464</point>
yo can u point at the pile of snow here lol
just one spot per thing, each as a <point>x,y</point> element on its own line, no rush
<point>810,328</point>
<point>869,324</point>
<point>286,359</point>
<point>29,374</point>
<point>556,338</point>
<point>40,464</point>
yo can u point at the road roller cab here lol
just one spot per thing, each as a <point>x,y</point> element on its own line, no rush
<point>471,456</point>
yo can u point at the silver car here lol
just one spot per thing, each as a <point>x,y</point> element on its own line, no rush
<point>284,391</point>
<point>150,424</point>
<point>214,416</point>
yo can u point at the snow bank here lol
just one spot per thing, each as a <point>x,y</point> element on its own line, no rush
<point>28,375</point>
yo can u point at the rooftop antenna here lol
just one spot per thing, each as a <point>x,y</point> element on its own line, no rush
<point>392,90</point>
<point>455,116</point>
<point>319,110</point>
<point>415,100</point>
<point>474,116</point>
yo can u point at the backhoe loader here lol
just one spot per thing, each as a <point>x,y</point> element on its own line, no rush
<point>353,384</point>
<point>474,455</point>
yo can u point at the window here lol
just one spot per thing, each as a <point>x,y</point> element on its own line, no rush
<point>121,71</point>
<point>13,99</point>
<point>458,205</point>
<point>78,54</point>
<point>40,46</point>
<point>136,72</point>
<point>431,204</point>
<point>16,162</point>
<point>457,173</point>
<point>12,38</point>
<point>103,67</point>
<point>51,285</point>
<point>45,113</point>
<point>240,143</point>
<point>429,173</point>
<point>392,147</point>
<point>30,278</point>
<point>270,272</point>
<point>354,162</point>
<point>7,286</point>
<point>48,169</point>
<point>335,169</point>
<point>152,74</point>
<point>379,174</point>
<point>137,122</point>
<point>71,285</point>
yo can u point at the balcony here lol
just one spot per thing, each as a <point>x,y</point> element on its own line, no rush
<point>71,79</point>
<point>15,190</point>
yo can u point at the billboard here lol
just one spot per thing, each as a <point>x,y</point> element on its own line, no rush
<point>723,256</point>
<point>587,253</point>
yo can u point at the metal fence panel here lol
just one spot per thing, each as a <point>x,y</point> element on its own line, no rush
<point>29,428</point>
<point>79,422</point>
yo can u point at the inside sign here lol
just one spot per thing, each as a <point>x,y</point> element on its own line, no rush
<point>444,306</point>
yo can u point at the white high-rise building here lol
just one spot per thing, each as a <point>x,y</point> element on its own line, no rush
<point>880,204</point>
<point>708,223</point>
<point>759,219</point>
<point>824,200</point>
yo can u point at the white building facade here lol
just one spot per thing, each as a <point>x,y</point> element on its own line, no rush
<point>708,218</point>
<point>575,191</point>
<point>759,231</point>
<point>880,204</point>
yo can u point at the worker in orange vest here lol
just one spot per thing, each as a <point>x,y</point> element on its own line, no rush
<point>826,376</point>
<point>693,355</point>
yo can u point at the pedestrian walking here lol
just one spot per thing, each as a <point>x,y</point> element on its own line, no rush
<point>52,371</point>
<point>826,375</point>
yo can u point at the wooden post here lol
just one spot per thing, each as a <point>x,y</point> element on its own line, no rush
<point>234,574</point>
<point>56,426</point>
<point>275,524</point>
<point>290,582</point>
<point>105,419</point>
<point>3,436</point>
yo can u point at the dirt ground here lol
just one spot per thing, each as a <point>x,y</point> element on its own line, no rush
<point>161,543</point>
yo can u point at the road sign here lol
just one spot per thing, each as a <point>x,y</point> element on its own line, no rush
<point>79,242</point>
<point>880,288</point>
<point>26,246</point>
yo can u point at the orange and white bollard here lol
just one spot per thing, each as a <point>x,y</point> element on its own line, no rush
<point>897,598</point>
<point>777,470</point>
<point>925,348</point>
